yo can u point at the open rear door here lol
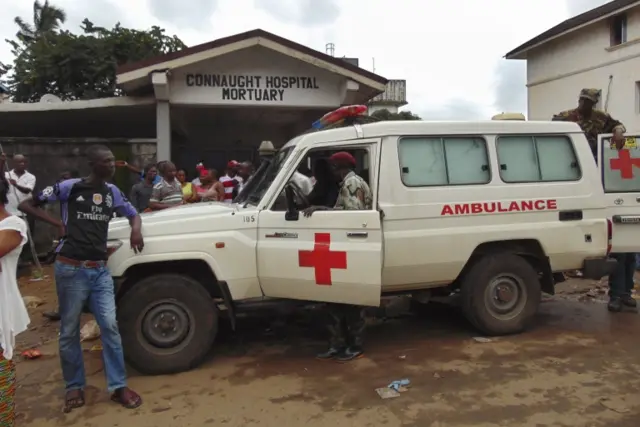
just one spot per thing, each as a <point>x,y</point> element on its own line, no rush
<point>621,180</point>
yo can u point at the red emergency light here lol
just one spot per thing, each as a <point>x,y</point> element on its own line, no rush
<point>341,113</point>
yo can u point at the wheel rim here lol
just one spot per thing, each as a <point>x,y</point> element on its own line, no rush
<point>166,324</point>
<point>506,296</point>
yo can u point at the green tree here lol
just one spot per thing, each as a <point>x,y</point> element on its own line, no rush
<point>402,115</point>
<point>46,19</point>
<point>81,66</point>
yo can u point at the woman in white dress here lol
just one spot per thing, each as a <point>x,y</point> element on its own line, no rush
<point>14,318</point>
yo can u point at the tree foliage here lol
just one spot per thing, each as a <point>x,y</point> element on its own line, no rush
<point>77,66</point>
<point>46,19</point>
<point>402,115</point>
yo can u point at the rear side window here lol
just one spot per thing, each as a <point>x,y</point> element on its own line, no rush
<point>537,158</point>
<point>430,161</point>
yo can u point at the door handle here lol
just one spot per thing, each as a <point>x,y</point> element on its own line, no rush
<point>282,236</point>
<point>570,215</point>
<point>360,234</point>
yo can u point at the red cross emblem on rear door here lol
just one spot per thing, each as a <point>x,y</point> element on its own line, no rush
<point>624,163</point>
<point>322,258</point>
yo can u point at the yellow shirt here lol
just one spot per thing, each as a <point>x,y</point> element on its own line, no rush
<point>187,189</point>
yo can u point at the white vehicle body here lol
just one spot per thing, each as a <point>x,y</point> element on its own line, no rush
<point>414,239</point>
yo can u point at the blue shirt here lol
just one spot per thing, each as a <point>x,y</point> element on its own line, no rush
<point>86,211</point>
<point>155,180</point>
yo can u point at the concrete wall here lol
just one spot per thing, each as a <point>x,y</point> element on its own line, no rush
<point>558,70</point>
<point>49,157</point>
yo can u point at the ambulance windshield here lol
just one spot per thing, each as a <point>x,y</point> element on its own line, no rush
<point>258,184</point>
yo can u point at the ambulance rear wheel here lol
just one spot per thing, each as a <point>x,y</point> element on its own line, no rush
<point>168,323</point>
<point>500,294</point>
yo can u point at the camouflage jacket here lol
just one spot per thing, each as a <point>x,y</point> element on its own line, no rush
<point>599,122</point>
<point>354,194</point>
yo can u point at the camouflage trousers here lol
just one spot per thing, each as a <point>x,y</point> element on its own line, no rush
<point>346,325</point>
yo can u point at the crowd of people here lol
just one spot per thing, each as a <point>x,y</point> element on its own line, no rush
<point>162,185</point>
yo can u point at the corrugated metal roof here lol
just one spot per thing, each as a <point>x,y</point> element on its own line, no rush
<point>572,23</point>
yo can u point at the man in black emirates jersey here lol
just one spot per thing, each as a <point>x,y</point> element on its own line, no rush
<point>87,206</point>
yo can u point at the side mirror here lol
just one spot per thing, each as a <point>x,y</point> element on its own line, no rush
<point>292,213</point>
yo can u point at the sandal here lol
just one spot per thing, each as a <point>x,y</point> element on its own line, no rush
<point>127,398</point>
<point>73,399</point>
<point>31,354</point>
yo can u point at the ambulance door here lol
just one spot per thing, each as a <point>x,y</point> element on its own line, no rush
<point>621,181</point>
<point>332,256</point>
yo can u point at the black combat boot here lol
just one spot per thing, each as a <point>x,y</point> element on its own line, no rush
<point>356,325</point>
<point>336,337</point>
<point>350,353</point>
<point>615,305</point>
<point>629,301</point>
<point>330,353</point>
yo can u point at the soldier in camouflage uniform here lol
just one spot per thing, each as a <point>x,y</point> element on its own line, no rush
<point>593,122</point>
<point>347,323</point>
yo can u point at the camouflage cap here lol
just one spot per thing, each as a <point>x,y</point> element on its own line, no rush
<point>590,94</point>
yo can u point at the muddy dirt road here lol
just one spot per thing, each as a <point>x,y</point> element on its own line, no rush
<point>577,367</point>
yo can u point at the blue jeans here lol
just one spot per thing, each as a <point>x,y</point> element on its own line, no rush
<point>77,285</point>
<point>621,281</point>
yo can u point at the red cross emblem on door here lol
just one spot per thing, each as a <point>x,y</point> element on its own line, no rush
<point>322,258</point>
<point>624,163</point>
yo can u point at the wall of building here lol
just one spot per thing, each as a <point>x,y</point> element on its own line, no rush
<point>557,71</point>
<point>49,157</point>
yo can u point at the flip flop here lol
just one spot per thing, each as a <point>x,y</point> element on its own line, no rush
<point>31,354</point>
<point>127,398</point>
<point>73,399</point>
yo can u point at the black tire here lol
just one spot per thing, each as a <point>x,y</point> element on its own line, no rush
<point>191,326</point>
<point>484,309</point>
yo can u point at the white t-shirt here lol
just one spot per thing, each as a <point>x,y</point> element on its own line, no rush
<point>303,182</point>
<point>14,317</point>
<point>16,196</point>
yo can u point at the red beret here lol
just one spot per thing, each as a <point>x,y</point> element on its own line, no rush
<point>343,156</point>
<point>232,164</point>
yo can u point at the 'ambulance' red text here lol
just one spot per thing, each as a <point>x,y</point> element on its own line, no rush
<point>499,207</point>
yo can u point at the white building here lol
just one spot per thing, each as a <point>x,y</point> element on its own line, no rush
<point>597,49</point>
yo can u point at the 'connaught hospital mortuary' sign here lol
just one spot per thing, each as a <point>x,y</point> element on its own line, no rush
<point>258,87</point>
<point>239,87</point>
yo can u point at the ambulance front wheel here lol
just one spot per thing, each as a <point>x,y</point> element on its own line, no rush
<point>168,323</point>
<point>500,294</point>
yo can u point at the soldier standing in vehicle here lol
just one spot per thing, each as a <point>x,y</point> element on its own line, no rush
<point>347,323</point>
<point>593,122</point>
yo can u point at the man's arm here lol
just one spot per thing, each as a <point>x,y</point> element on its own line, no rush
<point>125,208</point>
<point>155,200</point>
<point>58,192</point>
<point>612,125</point>
<point>28,187</point>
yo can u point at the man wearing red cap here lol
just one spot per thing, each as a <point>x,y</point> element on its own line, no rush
<point>231,180</point>
<point>346,329</point>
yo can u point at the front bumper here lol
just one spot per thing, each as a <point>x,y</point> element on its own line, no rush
<point>597,268</point>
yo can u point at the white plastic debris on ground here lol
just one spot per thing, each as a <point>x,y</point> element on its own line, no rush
<point>90,331</point>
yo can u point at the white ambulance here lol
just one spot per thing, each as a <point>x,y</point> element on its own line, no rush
<point>494,210</point>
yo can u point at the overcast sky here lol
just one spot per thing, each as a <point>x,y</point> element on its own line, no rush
<point>450,52</point>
